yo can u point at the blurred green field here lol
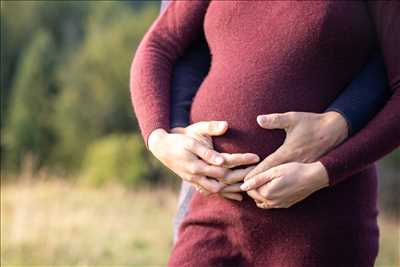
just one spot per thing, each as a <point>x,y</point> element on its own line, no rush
<point>58,223</point>
<point>62,224</point>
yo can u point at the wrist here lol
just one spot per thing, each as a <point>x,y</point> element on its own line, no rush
<point>319,175</point>
<point>154,138</point>
<point>335,123</point>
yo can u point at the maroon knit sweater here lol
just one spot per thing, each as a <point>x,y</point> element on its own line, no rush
<point>272,57</point>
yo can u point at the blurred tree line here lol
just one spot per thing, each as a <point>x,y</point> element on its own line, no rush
<point>65,92</point>
<point>65,88</point>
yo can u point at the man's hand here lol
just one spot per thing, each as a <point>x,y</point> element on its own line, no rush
<point>290,183</point>
<point>189,153</point>
<point>308,137</point>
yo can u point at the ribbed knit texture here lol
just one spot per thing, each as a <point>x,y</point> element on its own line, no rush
<point>313,50</point>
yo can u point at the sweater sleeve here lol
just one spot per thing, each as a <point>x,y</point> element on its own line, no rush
<point>364,96</point>
<point>151,69</point>
<point>382,134</point>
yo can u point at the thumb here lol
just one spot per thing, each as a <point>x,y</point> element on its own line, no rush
<point>276,121</point>
<point>210,128</point>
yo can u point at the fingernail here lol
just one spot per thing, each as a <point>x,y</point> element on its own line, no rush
<point>218,160</point>
<point>255,158</point>
<point>244,186</point>
<point>222,124</point>
<point>260,119</point>
<point>246,178</point>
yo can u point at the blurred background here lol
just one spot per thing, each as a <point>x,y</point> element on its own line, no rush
<point>77,184</point>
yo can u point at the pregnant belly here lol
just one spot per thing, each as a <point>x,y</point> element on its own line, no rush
<point>239,100</point>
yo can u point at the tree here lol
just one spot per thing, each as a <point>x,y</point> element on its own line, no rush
<point>29,128</point>
<point>94,99</point>
<point>63,20</point>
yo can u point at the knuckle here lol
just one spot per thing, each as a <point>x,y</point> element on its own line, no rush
<point>226,179</point>
<point>189,144</point>
<point>275,172</point>
<point>264,194</point>
<point>194,169</point>
<point>212,125</point>
<point>275,119</point>
<point>243,159</point>
<point>256,180</point>
<point>291,114</point>
<point>221,172</point>
<point>191,178</point>
<point>208,154</point>
<point>209,171</point>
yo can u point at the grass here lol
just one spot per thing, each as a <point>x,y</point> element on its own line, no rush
<point>56,223</point>
<point>61,224</point>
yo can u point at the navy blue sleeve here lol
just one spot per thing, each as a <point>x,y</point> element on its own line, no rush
<point>364,96</point>
<point>188,74</point>
<point>187,77</point>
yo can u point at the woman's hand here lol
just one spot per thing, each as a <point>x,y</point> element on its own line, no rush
<point>189,153</point>
<point>288,183</point>
<point>308,136</point>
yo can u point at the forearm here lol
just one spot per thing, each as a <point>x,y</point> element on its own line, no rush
<point>364,96</point>
<point>380,137</point>
<point>382,133</point>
